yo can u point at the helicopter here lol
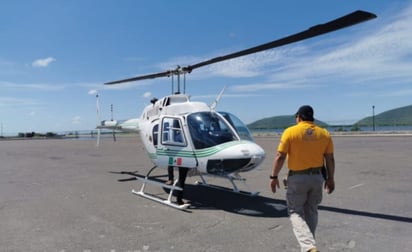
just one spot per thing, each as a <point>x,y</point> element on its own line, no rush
<point>192,135</point>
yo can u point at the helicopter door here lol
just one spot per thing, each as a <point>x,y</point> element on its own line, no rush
<point>173,149</point>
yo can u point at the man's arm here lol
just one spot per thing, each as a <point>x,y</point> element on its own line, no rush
<point>330,166</point>
<point>277,166</point>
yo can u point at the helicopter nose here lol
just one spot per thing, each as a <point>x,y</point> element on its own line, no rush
<point>257,155</point>
<point>239,158</point>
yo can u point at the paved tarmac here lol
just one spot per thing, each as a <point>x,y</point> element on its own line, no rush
<point>68,195</point>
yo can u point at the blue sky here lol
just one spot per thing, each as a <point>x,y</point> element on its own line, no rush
<point>55,53</point>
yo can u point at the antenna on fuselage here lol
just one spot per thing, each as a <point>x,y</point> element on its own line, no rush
<point>214,104</point>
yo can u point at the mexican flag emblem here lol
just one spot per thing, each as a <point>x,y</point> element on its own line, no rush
<point>175,161</point>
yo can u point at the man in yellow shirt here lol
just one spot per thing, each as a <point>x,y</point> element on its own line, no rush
<point>308,148</point>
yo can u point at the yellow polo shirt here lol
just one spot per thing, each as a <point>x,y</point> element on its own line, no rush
<point>305,144</point>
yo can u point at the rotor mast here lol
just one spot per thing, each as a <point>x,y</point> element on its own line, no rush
<point>178,72</point>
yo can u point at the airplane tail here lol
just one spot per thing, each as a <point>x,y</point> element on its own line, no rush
<point>130,125</point>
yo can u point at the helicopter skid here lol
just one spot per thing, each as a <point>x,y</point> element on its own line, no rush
<point>167,201</point>
<point>231,179</point>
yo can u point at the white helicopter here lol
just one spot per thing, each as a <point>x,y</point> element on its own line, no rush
<point>178,132</point>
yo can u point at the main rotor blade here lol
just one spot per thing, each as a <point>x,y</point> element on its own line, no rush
<point>142,77</point>
<point>339,23</point>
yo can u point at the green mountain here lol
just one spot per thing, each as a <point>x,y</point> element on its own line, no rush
<point>278,122</point>
<point>399,117</point>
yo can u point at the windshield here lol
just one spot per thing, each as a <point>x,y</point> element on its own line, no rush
<point>208,129</point>
<point>239,126</point>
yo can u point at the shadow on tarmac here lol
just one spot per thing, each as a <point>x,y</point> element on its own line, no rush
<point>366,214</point>
<point>208,198</point>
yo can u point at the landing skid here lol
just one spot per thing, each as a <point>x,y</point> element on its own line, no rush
<point>232,180</point>
<point>146,180</point>
<point>167,201</point>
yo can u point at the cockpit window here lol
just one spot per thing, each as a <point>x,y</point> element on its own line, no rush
<point>239,126</point>
<point>208,129</point>
<point>172,133</point>
<point>155,134</point>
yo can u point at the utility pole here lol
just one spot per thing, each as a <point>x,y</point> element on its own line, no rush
<point>114,134</point>
<point>373,117</point>
<point>111,110</point>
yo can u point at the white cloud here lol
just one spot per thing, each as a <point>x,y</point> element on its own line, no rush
<point>266,86</point>
<point>76,120</point>
<point>12,102</point>
<point>92,92</point>
<point>401,92</point>
<point>364,55</point>
<point>43,62</point>
<point>127,85</point>
<point>147,94</point>
<point>37,86</point>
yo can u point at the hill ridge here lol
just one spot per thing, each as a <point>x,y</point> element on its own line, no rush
<point>401,116</point>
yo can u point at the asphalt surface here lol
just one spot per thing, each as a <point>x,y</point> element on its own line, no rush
<point>68,195</point>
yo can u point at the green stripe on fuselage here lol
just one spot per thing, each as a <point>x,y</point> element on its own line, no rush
<point>198,153</point>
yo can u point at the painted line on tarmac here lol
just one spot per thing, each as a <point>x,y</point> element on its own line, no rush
<point>355,186</point>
